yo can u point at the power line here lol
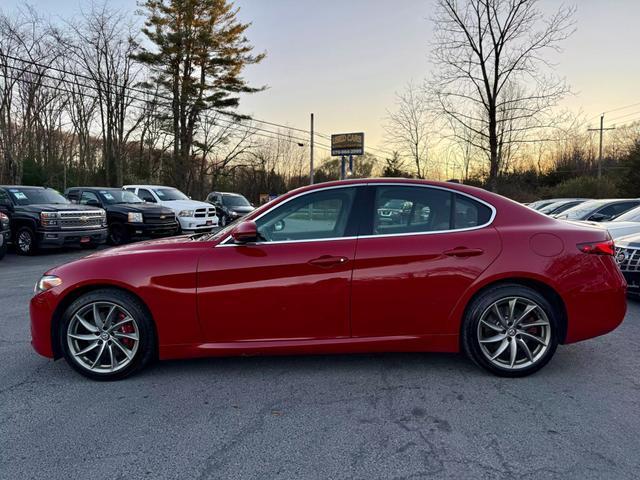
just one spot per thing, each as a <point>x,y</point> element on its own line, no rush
<point>624,107</point>
<point>236,117</point>
<point>242,128</point>
<point>217,120</point>
<point>624,116</point>
<point>139,90</point>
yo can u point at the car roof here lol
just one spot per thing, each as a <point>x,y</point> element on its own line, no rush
<point>25,186</point>
<point>93,188</point>
<point>147,186</point>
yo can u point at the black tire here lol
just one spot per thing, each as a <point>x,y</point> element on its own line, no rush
<point>118,234</point>
<point>147,346</point>
<point>469,336</point>
<point>25,241</point>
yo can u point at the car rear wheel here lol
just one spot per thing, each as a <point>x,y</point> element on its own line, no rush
<point>107,335</point>
<point>510,330</point>
<point>25,241</point>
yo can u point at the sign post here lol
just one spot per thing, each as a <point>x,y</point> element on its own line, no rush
<point>347,144</point>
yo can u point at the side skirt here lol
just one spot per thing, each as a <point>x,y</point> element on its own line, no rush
<point>407,343</point>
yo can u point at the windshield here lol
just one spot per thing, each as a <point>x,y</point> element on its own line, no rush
<point>168,194</point>
<point>580,211</point>
<point>632,215</point>
<point>36,196</point>
<point>111,197</point>
<point>235,201</point>
<point>551,207</point>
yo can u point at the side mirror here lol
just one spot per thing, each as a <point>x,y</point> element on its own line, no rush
<point>245,232</point>
<point>93,203</point>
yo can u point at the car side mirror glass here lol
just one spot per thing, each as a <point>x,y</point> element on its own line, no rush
<point>245,232</point>
<point>279,226</point>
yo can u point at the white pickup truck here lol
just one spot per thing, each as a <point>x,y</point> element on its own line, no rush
<point>193,216</point>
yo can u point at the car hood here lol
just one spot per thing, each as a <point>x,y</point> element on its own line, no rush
<point>172,243</point>
<point>632,240</point>
<point>55,207</point>
<point>178,205</point>
<point>615,229</point>
<point>148,208</point>
<point>128,255</point>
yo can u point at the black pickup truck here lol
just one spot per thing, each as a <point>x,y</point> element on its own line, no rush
<point>42,218</point>
<point>128,216</point>
<point>5,234</point>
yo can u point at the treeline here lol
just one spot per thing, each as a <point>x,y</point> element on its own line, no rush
<point>83,102</point>
<point>107,98</point>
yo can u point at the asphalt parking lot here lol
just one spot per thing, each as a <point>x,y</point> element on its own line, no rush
<point>392,416</point>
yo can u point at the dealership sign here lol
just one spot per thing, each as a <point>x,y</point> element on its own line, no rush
<point>347,144</point>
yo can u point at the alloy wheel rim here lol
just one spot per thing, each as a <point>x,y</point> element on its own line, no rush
<point>103,337</point>
<point>24,241</point>
<point>514,333</point>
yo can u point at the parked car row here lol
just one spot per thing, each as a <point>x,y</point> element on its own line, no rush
<point>619,216</point>
<point>34,218</point>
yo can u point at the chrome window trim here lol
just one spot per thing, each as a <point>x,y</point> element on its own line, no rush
<point>226,242</point>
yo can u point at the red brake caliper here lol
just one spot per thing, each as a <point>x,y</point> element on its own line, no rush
<point>126,328</point>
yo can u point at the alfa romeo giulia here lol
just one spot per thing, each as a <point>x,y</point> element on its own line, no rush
<point>322,270</point>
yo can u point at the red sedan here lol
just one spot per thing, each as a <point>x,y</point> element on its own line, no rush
<point>356,266</point>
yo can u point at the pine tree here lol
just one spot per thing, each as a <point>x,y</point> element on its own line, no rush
<point>199,55</point>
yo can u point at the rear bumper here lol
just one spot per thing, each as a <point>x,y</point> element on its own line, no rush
<point>56,239</point>
<point>597,307</point>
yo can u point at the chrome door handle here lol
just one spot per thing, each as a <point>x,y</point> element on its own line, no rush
<point>463,252</point>
<point>327,261</point>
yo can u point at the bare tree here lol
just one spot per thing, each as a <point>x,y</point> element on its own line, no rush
<point>102,45</point>
<point>408,127</point>
<point>24,49</point>
<point>492,77</point>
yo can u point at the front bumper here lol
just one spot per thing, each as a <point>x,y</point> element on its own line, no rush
<point>633,282</point>
<point>41,312</point>
<point>198,225</point>
<point>59,238</point>
<point>144,230</point>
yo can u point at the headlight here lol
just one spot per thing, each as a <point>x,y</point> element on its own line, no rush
<point>186,213</point>
<point>135,217</point>
<point>48,218</point>
<point>47,282</point>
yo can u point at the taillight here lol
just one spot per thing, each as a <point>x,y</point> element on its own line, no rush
<point>606,247</point>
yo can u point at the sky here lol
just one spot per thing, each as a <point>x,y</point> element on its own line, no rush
<point>344,60</point>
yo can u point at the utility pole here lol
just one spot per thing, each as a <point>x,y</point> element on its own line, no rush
<point>311,155</point>
<point>601,130</point>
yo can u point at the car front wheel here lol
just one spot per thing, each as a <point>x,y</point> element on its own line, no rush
<point>510,330</point>
<point>25,241</point>
<point>118,234</point>
<point>107,335</point>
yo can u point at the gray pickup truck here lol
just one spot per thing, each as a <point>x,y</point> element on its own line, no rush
<point>42,218</point>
